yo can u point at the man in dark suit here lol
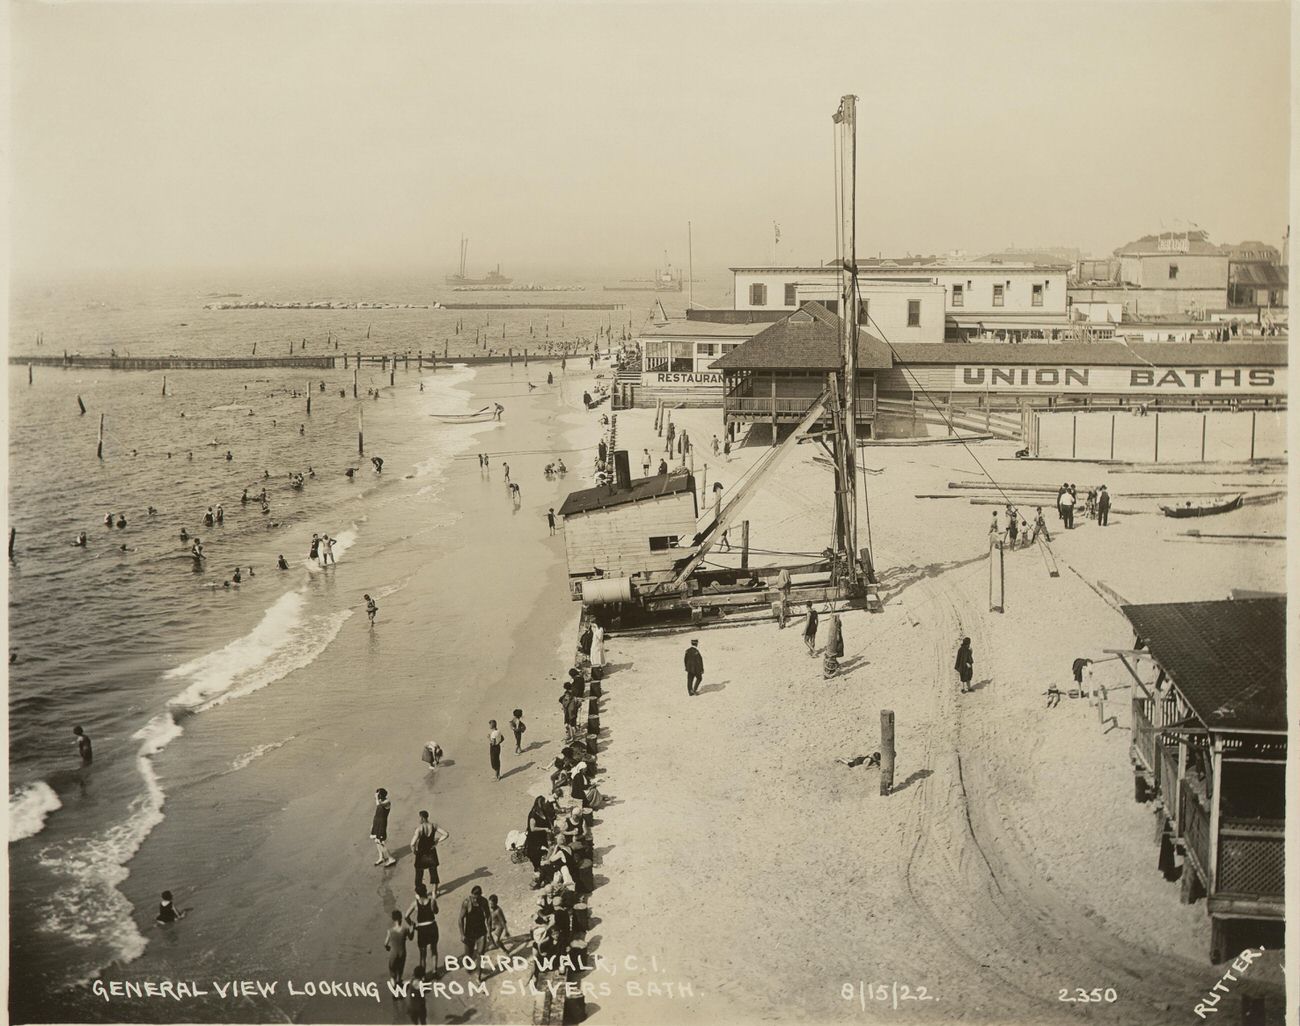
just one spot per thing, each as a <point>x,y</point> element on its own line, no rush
<point>694,667</point>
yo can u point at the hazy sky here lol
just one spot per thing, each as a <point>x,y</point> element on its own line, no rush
<point>583,137</point>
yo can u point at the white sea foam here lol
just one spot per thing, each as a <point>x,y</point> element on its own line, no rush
<point>91,908</point>
<point>256,753</point>
<point>28,808</point>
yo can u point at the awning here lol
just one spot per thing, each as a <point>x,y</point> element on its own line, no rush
<point>1011,324</point>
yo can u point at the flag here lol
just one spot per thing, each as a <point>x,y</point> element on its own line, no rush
<point>777,228</point>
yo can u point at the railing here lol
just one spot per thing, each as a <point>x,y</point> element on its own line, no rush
<point>784,407</point>
<point>1196,829</point>
<point>1252,858</point>
<point>1144,735</point>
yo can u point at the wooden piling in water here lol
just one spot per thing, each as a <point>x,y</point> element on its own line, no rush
<point>361,434</point>
<point>82,405</point>
<point>99,449</point>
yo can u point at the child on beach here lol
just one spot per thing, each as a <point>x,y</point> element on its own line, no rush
<point>379,828</point>
<point>371,609</point>
<point>395,944</point>
<point>416,1009</point>
<point>497,934</point>
<point>167,912</point>
<point>517,727</point>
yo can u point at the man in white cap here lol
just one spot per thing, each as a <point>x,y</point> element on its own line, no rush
<point>694,667</point>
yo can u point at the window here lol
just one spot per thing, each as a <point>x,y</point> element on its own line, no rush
<point>998,294</point>
<point>758,295</point>
<point>1173,271</point>
<point>790,298</point>
<point>1038,295</point>
<point>913,313</point>
<point>663,542</point>
<point>864,311</point>
<point>958,295</point>
<point>728,347</point>
<point>706,349</point>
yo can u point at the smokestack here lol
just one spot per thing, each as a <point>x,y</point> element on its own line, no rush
<point>622,470</point>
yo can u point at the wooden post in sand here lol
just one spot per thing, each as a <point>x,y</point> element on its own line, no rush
<point>29,374</point>
<point>309,398</point>
<point>13,533</point>
<point>355,370</point>
<point>1204,418</point>
<point>99,449</point>
<point>1157,459</point>
<point>1252,436</point>
<point>361,435</point>
<point>886,751</point>
<point>744,545</point>
<point>392,373</point>
<point>997,578</point>
<point>1074,435</point>
<point>1112,436</point>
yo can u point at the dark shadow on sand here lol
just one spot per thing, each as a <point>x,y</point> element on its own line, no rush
<point>518,769</point>
<point>715,686</point>
<point>447,886</point>
<point>916,775</point>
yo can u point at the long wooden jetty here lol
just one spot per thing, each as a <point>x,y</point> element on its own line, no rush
<point>531,306</point>
<point>421,360</point>
<point>173,362</point>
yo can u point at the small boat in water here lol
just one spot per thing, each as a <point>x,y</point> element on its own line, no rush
<point>464,418</point>
<point>1202,509</point>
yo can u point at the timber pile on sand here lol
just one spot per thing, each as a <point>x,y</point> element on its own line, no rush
<point>754,866</point>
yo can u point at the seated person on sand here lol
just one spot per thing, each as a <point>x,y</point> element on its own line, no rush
<point>167,911</point>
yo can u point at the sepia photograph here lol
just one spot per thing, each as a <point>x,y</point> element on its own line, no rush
<point>413,407</point>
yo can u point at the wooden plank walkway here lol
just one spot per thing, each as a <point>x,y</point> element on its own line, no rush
<point>173,362</point>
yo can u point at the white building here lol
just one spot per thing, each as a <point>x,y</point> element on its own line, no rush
<point>981,300</point>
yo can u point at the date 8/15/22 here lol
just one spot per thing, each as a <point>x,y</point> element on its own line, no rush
<point>886,993</point>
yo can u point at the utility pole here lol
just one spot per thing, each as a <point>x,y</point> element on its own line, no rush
<point>690,268</point>
<point>847,119</point>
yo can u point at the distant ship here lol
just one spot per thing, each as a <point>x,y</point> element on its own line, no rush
<point>493,278</point>
<point>663,281</point>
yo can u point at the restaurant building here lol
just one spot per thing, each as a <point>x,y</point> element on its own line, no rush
<point>910,389</point>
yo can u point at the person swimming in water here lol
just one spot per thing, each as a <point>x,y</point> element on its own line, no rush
<point>244,498</point>
<point>121,520</point>
<point>185,535</point>
<point>350,472</point>
<point>282,563</point>
<point>108,519</point>
<point>209,518</point>
<point>153,512</point>
<point>230,455</point>
<point>236,576</point>
<point>378,461</point>
<point>81,540</point>
<point>83,744</point>
<point>196,550</point>
<point>221,514</point>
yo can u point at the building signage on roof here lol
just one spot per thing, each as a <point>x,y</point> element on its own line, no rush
<point>1174,380</point>
<point>686,378</point>
<point>1174,244</point>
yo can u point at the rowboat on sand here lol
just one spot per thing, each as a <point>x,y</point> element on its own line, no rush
<point>1202,509</point>
<point>464,418</point>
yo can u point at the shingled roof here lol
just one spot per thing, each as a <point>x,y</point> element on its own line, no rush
<point>808,339</point>
<point>642,488</point>
<point>1228,658</point>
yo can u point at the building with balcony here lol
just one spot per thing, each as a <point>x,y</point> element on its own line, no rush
<point>774,378</point>
<point>1209,748</point>
<point>990,301</point>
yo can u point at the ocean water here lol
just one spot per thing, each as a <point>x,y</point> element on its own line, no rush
<point>127,636</point>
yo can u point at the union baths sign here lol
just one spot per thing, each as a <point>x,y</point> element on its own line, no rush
<point>1106,380</point>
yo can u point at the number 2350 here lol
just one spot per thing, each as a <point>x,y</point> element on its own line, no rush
<point>1081,996</point>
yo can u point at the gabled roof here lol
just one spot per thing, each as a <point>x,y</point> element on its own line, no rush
<point>808,339</point>
<point>1227,658</point>
<point>1257,272</point>
<point>641,490</point>
<point>1096,354</point>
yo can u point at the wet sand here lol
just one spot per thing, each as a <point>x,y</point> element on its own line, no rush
<point>275,859</point>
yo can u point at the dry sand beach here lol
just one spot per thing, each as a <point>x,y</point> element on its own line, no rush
<point>1011,860</point>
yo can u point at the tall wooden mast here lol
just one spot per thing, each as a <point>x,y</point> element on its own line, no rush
<point>846,118</point>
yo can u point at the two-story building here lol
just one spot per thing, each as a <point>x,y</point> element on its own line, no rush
<point>981,300</point>
<point>1172,274</point>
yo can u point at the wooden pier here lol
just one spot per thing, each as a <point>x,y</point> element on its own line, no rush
<point>149,363</point>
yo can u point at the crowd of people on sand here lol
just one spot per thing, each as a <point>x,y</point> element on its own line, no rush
<point>1019,533</point>
<point>555,841</point>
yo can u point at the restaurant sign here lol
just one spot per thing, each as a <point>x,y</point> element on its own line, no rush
<point>1108,380</point>
<point>693,378</point>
